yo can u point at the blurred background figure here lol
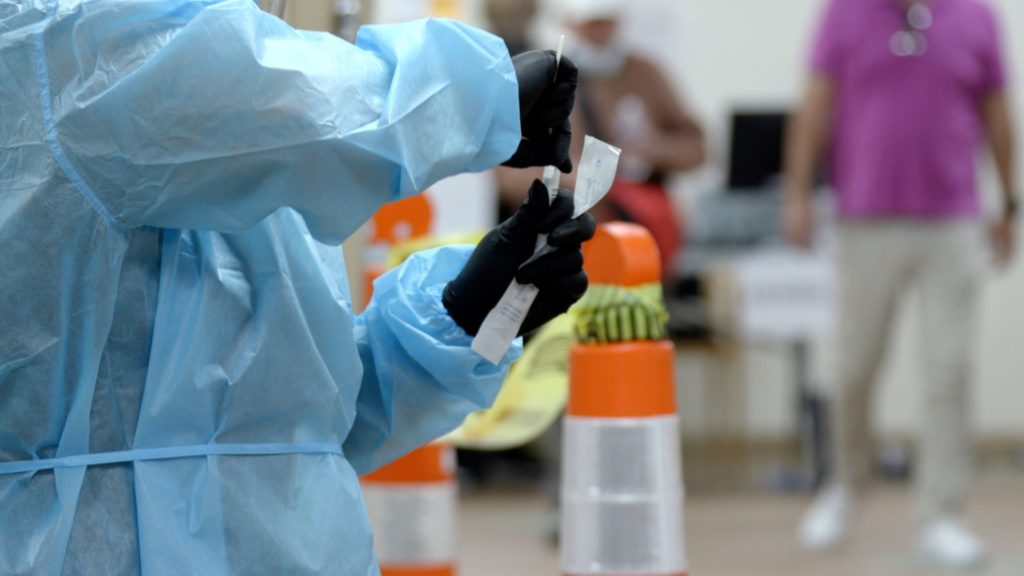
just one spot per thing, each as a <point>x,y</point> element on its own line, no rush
<point>624,99</point>
<point>512,20</point>
<point>902,94</point>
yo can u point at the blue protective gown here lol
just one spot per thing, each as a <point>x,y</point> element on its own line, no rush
<point>183,386</point>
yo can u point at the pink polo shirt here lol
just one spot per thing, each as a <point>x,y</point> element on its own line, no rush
<point>907,129</point>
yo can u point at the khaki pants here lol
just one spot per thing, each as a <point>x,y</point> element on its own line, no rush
<point>878,262</point>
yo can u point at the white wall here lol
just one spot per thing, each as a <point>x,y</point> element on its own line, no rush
<point>728,53</point>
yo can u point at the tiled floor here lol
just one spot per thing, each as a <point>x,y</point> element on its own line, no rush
<point>752,535</point>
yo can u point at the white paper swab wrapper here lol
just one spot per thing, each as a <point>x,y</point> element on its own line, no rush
<point>593,180</point>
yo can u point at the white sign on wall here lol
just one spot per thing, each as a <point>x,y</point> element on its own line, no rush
<point>786,295</point>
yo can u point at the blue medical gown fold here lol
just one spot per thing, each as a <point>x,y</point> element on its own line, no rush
<point>177,139</point>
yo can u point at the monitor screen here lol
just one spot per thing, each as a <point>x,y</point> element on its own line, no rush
<point>757,148</point>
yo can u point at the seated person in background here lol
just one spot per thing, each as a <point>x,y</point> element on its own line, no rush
<point>626,100</point>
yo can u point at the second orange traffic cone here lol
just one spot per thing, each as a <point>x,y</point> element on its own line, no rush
<point>412,507</point>
<point>622,488</point>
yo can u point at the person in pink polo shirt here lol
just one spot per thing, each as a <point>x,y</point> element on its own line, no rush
<point>902,95</point>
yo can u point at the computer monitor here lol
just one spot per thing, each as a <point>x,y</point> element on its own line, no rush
<point>756,149</point>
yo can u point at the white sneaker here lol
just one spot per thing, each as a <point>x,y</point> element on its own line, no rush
<point>947,543</point>
<point>826,523</point>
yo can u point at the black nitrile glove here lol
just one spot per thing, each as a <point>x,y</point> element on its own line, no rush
<point>545,102</point>
<point>497,260</point>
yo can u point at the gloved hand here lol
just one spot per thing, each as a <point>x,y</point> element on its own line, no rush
<point>545,102</point>
<point>497,259</point>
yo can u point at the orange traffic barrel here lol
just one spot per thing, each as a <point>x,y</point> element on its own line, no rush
<point>412,508</point>
<point>622,486</point>
<point>394,223</point>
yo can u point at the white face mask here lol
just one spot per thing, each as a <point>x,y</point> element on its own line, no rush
<point>599,61</point>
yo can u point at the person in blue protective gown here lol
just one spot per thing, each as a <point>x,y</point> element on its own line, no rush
<point>184,388</point>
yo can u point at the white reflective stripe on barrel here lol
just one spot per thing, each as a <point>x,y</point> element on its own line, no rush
<point>413,524</point>
<point>622,497</point>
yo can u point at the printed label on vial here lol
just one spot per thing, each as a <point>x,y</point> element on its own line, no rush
<point>502,323</point>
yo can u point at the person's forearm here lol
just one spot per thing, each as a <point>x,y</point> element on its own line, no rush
<point>676,139</point>
<point>514,183</point>
<point>806,139</point>
<point>677,151</point>
<point>999,130</point>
